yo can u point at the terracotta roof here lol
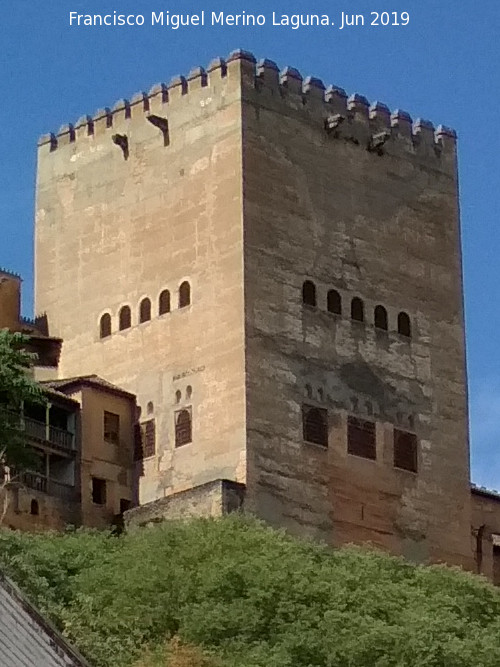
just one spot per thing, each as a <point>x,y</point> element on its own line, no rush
<point>50,391</point>
<point>88,380</point>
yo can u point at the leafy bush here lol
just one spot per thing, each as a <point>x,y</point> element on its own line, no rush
<point>249,596</point>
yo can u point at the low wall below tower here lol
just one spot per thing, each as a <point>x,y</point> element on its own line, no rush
<point>212,499</point>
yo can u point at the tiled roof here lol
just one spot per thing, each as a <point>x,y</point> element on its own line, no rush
<point>92,380</point>
<point>27,639</point>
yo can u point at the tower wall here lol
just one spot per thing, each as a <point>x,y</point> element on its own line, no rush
<point>128,206</point>
<point>358,200</point>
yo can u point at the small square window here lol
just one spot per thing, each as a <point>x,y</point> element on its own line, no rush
<point>405,450</point>
<point>111,427</point>
<point>98,491</point>
<point>361,438</point>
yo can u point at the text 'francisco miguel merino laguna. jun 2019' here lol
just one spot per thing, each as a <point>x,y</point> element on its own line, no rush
<point>204,18</point>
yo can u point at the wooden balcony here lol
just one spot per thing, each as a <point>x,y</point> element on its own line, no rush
<point>43,484</point>
<point>51,435</point>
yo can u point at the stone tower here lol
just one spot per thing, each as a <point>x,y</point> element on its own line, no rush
<point>275,271</point>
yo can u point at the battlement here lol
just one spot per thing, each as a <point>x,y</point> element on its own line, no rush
<point>10,274</point>
<point>372,126</point>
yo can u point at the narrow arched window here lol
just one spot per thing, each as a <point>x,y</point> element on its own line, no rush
<point>183,427</point>
<point>184,294</point>
<point>105,326</point>
<point>309,293</point>
<point>357,310</point>
<point>164,302</point>
<point>380,317</point>
<point>145,310</point>
<point>404,324</point>
<point>334,302</point>
<point>315,425</point>
<point>124,318</point>
<point>35,510</point>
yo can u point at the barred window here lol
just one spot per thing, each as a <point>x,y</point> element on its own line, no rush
<point>380,318</point>
<point>361,438</point>
<point>164,302</point>
<point>404,324</point>
<point>334,302</point>
<point>357,310</point>
<point>145,444</point>
<point>183,427</point>
<point>145,310</point>
<point>111,427</point>
<point>405,450</point>
<point>309,293</point>
<point>124,318</point>
<point>105,326</point>
<point>315,425</point>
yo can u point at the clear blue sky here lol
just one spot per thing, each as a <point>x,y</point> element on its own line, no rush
<point>444,66</point>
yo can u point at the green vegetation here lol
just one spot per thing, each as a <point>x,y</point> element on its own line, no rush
<point>17,387</point>
<point>234,593</point>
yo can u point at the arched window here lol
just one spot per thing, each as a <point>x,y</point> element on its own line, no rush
<point>334,302</point>
<point>315,425</point>
<point>145,310</point>
<point>357,310</point>
<point>189,391</point>
<point>35,510</point>
<point>309,293</point>
<point>380,317</point>
<point>404,324</point>
<point>150,408</point>
<point>164,302</point>
<point>105,326</point>
<point>178,396</point>
<point>124,318</point>
<point>184,294</point>
<point>183,427</point>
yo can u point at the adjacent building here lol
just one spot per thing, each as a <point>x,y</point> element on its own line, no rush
<point>83,438</point>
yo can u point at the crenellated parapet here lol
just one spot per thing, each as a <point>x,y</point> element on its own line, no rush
<point>340,117</point>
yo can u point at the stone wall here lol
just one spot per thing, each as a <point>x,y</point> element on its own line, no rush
<point>115,226</point>
<point>260,182</point>
<point>362,202</point>
<point>213,499</point>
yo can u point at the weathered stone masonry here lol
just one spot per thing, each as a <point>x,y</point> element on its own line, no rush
<point>246,182</point>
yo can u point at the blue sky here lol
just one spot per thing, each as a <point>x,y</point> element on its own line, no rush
<point>444,66</point>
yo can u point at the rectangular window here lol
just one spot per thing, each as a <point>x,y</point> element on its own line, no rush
<point>98,491</point>
<point>315,425</point>
<point>405,450</point>
<point>111,427</point>
<point>361,438</point>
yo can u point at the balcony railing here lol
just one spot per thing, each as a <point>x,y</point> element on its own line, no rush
<point>56,437</point>
<point>49,486</point>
